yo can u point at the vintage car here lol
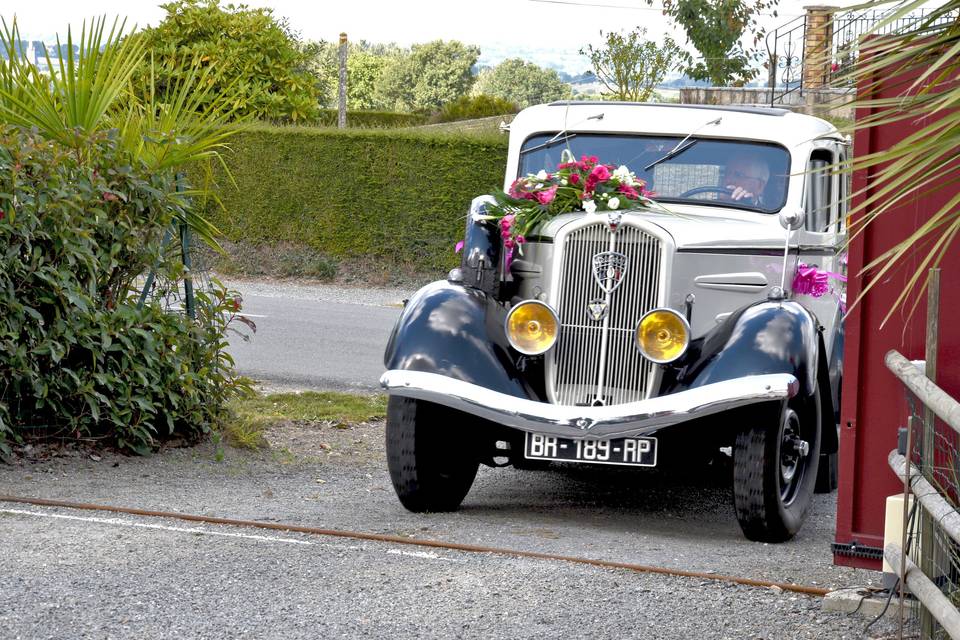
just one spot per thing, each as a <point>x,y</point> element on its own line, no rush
<point>637,337</point>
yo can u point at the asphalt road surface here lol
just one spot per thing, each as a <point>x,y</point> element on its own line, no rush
<point>321,337</point>
<point>67,573</point>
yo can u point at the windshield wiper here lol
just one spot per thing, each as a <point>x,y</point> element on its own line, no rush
<point>562,135</point>
<point>681,147</point>
<point>549,143</point>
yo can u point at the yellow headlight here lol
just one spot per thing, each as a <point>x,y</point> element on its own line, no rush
<point>663,335</point>
<point>532,327</point>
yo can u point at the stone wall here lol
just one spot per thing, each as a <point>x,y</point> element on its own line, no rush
<point>830,103</point>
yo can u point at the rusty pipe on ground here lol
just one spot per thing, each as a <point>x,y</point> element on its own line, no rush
<point>436,544</point>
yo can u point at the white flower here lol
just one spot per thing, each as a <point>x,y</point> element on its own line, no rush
<point>542,174</point>
<point>613,203</point>
<point>589,206</point>
<point>563,182</point>
<point>622,173</point>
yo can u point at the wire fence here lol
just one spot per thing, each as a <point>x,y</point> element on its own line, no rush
<point>931,533</point>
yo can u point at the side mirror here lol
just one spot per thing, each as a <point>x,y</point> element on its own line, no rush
<point>792,219</point>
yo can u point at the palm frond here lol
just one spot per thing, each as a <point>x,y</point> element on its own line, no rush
<point>920,66</point>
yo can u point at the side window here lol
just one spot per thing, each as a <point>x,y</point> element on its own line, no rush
<point>821,199</point>
<point>843,197</point>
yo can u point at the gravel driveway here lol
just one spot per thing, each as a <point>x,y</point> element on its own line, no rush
<point>65,578</point>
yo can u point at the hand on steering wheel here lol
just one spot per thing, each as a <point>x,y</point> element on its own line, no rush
<point>733,193</point>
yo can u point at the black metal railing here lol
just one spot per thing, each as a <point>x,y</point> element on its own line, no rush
<point>787,61</point>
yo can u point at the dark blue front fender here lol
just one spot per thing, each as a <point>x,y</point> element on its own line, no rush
<point>765,337</point>
<point>457,332</point>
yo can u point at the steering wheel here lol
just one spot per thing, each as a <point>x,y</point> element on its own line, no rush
<point>707,189</point>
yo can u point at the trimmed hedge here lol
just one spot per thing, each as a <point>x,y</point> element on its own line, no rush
<point>387,199</point>
<point>371,119</point>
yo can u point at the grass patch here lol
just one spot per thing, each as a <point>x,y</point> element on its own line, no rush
<point>257,413</point>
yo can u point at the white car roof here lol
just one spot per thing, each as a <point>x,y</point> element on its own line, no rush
<point>737,122</point>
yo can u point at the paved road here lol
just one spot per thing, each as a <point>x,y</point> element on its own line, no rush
<point>316,336</point>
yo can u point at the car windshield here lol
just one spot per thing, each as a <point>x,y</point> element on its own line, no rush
<point>705,171</point>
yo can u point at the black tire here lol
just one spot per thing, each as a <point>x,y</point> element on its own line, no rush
<point>827,473</point>
<point>772,484</point>
<point>431,463</point>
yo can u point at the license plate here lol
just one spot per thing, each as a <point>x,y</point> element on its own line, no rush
<point>640,452</point>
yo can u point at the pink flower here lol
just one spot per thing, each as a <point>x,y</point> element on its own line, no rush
<point>593,160</point>
<point>546,196</point>
<point>507,221</point>
<point>600,172</point>
<point>521,240</point>
<point>508,243</point>
<point>574,178</point>
<point>628,191</point>
<point>457,248</point>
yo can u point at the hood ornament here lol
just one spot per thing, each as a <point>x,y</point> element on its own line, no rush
<point>608,270</point>
<point>598,309</point>
<point>613,220</point>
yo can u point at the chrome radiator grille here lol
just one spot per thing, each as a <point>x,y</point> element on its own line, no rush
<point>579,374</point>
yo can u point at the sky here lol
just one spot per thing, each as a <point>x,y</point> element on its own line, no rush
<point>543,31</point>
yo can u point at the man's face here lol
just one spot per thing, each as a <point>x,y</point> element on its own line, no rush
<point>746,179</point>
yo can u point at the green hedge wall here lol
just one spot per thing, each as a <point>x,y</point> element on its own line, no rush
<point>371,119</point>
<point>384,198</point>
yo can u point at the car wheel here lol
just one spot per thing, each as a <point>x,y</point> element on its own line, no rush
<point>431,463</point>
<point>775,470</point>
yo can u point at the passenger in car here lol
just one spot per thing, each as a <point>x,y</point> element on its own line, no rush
<point>746,177</point>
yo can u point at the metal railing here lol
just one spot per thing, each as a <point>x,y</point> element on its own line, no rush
<point>927,460</point>
<point>787,66</point>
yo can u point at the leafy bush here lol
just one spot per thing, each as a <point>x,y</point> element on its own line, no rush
<point>384,200</point>
<point>470,107</point>
<point>78,356</point>
<point>258,60</point>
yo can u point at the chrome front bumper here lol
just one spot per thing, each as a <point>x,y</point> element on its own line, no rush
<point>570,421</point>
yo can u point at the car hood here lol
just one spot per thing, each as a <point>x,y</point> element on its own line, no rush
<point>700,227</point>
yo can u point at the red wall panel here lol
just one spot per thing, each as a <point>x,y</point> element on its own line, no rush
<point>873,401</point>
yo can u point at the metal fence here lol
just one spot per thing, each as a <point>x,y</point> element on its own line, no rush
<point>837,54</point>
<point>927,459</point>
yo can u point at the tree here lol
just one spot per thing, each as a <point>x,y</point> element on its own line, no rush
<point>366,63</point>
<point>523,83</point>
<point>715,28</point>
<point>431,75</point>
<point>629,66</point>
<point>258,60</point>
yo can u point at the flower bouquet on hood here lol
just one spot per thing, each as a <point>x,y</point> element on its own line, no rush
<point>587,185</point>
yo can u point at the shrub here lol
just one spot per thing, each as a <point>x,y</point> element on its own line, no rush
<point>471,107</point>
<point>78,356</point>
<point>386,200</point>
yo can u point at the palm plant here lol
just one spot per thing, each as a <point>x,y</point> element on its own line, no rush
<point>93,91</point>
<point>927,52</point>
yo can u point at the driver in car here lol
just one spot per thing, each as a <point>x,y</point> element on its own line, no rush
<point>746,177</point>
